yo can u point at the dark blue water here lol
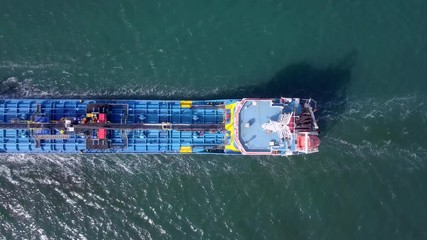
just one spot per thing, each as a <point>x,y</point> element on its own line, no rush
<point>364,61</point>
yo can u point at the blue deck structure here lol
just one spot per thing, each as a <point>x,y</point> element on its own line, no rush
<point>157,140</point>
<point>255,114</point>
<point>139,126</point>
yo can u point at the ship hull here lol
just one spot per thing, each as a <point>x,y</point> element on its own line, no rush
<point>70,126</point>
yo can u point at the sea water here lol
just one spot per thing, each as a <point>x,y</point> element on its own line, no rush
<point>364,61</point>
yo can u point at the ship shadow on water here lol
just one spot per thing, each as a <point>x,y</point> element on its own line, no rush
<point>327,85</point>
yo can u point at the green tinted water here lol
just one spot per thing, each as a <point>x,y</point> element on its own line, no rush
<point>364,62</point>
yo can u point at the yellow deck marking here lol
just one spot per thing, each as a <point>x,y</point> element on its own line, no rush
<point>186,104</point>
<point>230,128</point>
<point>186,149</point>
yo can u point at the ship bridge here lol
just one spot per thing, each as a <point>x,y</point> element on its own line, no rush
<point>274,127</point>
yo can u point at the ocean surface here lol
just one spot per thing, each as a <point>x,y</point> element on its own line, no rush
<point>364,61</point>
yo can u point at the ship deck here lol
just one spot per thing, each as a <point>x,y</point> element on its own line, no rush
<point>253,114</point>
<point>143,112</point>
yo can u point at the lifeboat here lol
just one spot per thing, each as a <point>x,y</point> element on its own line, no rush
<point>307,142</point>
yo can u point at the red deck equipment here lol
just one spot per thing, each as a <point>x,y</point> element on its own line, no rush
<point>102,133</point>
<point>102,118</point>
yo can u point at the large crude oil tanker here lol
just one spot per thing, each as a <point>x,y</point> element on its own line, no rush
<point>249,126</point>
